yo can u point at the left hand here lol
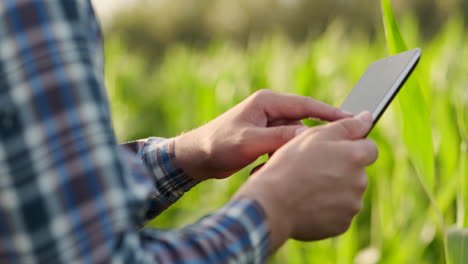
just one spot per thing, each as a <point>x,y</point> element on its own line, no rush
<point>259,125</point>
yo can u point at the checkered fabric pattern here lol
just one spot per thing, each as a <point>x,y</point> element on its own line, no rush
<point>68,192</point>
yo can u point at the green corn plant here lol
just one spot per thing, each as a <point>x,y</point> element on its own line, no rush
<point>415,115</point>
<point>418,138</point>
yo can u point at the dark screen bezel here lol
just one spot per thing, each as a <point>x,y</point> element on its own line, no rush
<point>379,114</point>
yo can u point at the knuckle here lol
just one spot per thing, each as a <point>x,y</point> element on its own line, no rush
<point>375,150</point>
<point>357,156</point>
<point>282,134</point>
<point>372,143</point>
<point>337,112</point>
<point>356,207</point>
<point>261,94</point>
<point>241,140</point>
<point>362,184</point>
<point>306,101</point>
<point>259,97</point>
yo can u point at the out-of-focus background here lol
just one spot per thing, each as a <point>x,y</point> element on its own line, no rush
<point>173,65</point>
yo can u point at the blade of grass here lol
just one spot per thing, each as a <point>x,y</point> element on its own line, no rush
<point>417,131</point>
<point>415,115</point>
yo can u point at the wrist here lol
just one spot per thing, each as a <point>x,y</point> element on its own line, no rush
<point>191,157</point>
<point>263,191</point>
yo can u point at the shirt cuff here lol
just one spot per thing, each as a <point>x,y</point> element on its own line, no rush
<point>246,220</point>
<point>159,157</point>
<point>236,233</point>
<point>242,225</point>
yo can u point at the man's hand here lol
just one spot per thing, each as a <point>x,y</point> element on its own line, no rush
<point>261,124</point>
<point>312,187</point>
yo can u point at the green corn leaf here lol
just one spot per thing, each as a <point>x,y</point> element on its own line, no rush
<point>417,133</point>
<point>457,239</point>
<point>395,40</point>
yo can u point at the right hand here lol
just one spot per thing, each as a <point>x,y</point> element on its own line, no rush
<point>312,187</point>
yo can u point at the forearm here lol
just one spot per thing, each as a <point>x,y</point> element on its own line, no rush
<point>237,233</point>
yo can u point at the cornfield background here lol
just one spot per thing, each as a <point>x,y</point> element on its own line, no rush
<point>417,187</point>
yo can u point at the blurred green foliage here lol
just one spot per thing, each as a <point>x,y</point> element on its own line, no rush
<point>151,26</point>
<point>189,86</point>
<point>457,244</point>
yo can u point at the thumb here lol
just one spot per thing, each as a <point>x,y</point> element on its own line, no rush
<point>269,139</point>
<point>351,128</point>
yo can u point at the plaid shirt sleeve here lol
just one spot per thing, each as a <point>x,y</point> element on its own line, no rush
<point>68,192</point>
<point>158,156</point>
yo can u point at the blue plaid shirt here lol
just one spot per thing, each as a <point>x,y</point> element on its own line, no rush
<point>68,192</point>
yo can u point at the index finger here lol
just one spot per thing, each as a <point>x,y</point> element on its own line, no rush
<point>295,107</point>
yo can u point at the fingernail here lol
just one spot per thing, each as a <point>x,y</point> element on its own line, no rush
<point>300,130</point>
<point>347,113</point>
<point>365,117</point>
